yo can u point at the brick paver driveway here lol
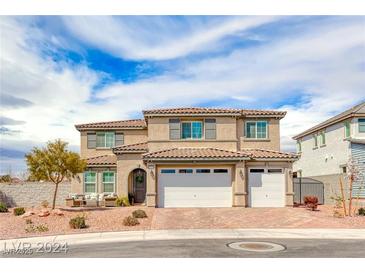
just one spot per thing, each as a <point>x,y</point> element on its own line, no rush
<point>179,218</point>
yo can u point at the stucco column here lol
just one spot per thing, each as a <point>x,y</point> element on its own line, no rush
<point>122,178</point>
<point>289,187</point>
<point>151,194</point>
<point>239,185</point>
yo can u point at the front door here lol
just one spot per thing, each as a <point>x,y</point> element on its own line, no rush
<point>139,185</point>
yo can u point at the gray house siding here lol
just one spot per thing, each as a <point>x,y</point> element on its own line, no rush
<point>358,154</point>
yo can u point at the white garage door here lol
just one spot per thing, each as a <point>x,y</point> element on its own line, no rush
<point>266,187</point>
<point>194,187</point>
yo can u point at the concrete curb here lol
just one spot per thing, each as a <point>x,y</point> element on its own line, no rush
<point>180,234</point>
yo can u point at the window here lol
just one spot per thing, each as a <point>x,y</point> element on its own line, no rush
<point>344,169</point>
<point>347,127</point>
<point>361,125</point>
<point>315,141</point>
<point>167,171</point>
<point>299,146</point>
<point>108,181</point>
<point>322,138</point>
<point>105,139</point>
<point>90,182</point>
<point>256,130</point>
<point>203,171</point>
<point>275,170</point>
<point>192,130</point>
<point>210,129</point>
<point>257,170</point>
<point>220,170</point>
<point>185,171</point>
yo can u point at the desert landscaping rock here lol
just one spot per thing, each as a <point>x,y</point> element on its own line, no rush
<point>111,219</point>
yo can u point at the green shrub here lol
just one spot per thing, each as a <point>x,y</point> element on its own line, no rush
<point>362,211</point>
<point>78,222</point>
<point>19,211</point>
<point>28,221</point>
<point>122,201</point>
<point>38,228</point>
<point>45,204</point>
<point>3,207</point>
<point>130,221</point>
<point>139,213</point>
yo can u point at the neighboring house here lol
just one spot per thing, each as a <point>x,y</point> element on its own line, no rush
<point>326,148</point>
<point>190,157</point>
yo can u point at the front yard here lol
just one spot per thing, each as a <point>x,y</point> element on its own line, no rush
<point>111,219</point>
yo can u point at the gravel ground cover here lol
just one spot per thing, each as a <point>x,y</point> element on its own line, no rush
<point>111,219</point>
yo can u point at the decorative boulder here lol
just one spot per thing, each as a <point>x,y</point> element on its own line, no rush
<point>57,212</point>
<point>44,213</point>
<point>28,214</point>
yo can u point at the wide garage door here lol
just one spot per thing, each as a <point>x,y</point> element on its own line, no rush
<point>194,187</point>
<point>266,187</point>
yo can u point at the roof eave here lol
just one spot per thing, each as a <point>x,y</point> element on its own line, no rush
<point>197,159</point>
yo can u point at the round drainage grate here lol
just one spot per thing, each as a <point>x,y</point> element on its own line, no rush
<point>257,246</point>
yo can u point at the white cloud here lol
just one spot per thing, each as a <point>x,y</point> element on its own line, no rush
<point>155,38</point>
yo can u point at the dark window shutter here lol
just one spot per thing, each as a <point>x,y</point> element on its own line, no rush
<point>210,129</point>
<point>119,139</point>
<point>174,129</point>
<point>91,140</point>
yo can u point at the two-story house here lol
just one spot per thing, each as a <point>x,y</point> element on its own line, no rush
<point>326,148</point>
<point>190,157</point>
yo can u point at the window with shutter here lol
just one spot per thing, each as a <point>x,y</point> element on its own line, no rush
<point>91,140</point>
<point>119,139</point>
<point>174,129</point>
<point>210,129</point>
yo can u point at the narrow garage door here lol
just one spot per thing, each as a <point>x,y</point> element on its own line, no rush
<point>195,187</point>
<point>266,187</point>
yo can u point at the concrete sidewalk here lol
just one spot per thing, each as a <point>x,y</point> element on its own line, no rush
<point>146,235</point>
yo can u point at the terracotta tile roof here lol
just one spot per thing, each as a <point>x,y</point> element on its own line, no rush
<point>104,160</point>
<point>137,123</point>
<point>269,154</point>
<point>140,147</point>
<point>195,153</point>
<point>213,111</point>
<point>191,110</point>
<point>256,112</point>
<point>358,110</point>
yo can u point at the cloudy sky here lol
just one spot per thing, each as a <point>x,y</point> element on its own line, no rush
<point>59,71</point>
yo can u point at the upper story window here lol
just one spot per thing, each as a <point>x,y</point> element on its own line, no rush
<point>322,138</point>
<point>299,146</point>
<point>347,127</point>
<point>315,141</point>
<point>105,139</point>
<point>256,129</point>
<point>361,122</point>
<point>191,130</point>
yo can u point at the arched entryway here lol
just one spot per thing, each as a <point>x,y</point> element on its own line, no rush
<point>138,185</point>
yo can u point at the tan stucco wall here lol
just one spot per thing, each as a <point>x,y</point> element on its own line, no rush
<point>239,185</point>
<point>272,143</point>
<point>130,137</point>
<point>158,134</point>
<point>126,163</point>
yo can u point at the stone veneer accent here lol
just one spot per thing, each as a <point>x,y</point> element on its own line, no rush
<point>29,194</point>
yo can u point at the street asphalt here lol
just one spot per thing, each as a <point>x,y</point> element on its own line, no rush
<point>210,248</point>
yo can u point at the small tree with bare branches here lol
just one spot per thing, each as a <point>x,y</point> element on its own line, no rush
<point>54,163</point>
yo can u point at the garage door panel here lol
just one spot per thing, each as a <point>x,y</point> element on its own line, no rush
<point>266,189</point>
<point>195,190</point>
